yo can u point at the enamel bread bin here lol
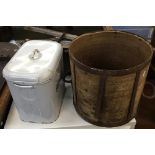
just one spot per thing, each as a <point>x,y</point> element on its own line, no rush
<point>34,77</point>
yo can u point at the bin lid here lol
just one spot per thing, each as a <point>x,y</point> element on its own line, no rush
<point>35,62</point>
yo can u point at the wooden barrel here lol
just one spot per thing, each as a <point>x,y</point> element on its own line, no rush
<point>108,72</point>
<point>7,50</point>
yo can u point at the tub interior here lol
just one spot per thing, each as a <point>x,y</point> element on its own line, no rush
<point>110,50</point>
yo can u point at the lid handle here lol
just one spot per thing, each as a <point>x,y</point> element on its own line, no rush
<point>35,54</point>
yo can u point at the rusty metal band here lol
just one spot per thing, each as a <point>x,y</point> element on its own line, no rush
<point>101,94</point>
<point>133,95</point>
<point>108,72</point>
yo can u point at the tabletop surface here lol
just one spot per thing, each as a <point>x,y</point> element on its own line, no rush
<point>68,118</point>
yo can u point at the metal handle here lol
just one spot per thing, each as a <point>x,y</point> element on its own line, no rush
<point>35,54</point>
<point>22,86</point>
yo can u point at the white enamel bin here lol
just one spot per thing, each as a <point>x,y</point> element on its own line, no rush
<point>34,77</point>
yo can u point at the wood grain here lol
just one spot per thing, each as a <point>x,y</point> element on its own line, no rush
<point>5,98</point>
